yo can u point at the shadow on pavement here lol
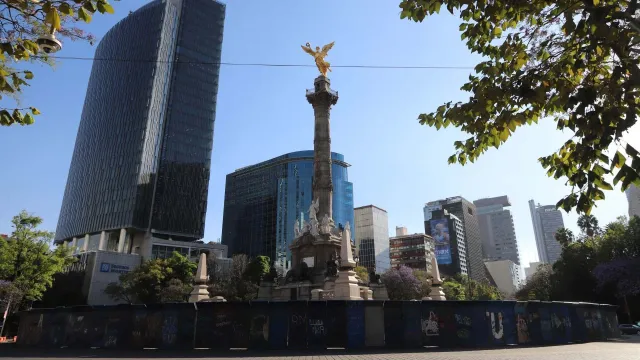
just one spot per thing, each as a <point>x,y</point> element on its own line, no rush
<point>10,351</point>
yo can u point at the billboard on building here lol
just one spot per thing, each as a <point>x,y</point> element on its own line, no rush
<point>442,244</point>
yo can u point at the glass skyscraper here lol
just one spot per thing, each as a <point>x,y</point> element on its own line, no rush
<point>141,163</point>
<point>262,203</point>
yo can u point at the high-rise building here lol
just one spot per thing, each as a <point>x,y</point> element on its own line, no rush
<point>263,202</point>
<point>139,176</point>
<point>546,221</point>
<point>633,197</point>
<point>372,237</point>
<point>141,164</point>
<point>411,250</point>
<point>497,230</point>
<point>450,248</point>
<point>465,212</point>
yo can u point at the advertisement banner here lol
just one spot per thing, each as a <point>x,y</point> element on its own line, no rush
<point>442,245</point>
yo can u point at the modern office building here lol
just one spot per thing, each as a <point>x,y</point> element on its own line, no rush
<point>411,250</point>
<point>497,230</point>
<point>505,274</point>
<point>465,212</point>
<point>262,202</point>
<point>633,197</point>
<point>450,247</point>
<point>141,164</point>
<point>372,237</point>
<point>546,221</point>
<point>139,176</point>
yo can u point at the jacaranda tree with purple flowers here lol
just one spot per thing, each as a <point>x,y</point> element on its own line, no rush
<point>402,284</point>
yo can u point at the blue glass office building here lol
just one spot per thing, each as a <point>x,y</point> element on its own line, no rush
<point>142,156</point>
<point>262,203</point>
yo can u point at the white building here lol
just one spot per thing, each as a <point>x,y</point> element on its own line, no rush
<point>529,271</point>
<point>505,275</point>
<point>104,264</point>
<point>546,221</point>
<point>372,237</point>
<point>633,196</point>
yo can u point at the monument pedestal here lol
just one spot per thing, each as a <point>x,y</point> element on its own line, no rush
<point>347,287</point>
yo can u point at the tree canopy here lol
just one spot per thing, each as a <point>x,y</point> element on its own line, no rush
<point>573,61</point>
<point>461,287</point>
<point>402,284</point>
<point>155,281</point>
<point>597,268</point>
<point>27,264</point>
<point>22,24</point>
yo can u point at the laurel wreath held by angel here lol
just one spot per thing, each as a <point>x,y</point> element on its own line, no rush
<point>319,55</point>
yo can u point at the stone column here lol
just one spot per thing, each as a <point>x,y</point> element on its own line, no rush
<point>121,240</point>
<point>322,98</point>
<point>102,245</point>
<point>85,246</point>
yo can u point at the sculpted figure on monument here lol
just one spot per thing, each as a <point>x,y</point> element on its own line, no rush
<point>313,210</point>
<point>296,230</point>
<point>319,55</point>
<point>325,226</point>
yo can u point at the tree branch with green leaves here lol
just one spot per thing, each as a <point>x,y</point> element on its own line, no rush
<point>573,61</point>
<point>22,24</point>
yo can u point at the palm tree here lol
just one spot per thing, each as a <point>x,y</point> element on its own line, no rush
<point>589,225</point>
<point>564,236</point>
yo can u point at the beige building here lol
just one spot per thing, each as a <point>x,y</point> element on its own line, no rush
<point>371,226</point>
<point>505,275</point>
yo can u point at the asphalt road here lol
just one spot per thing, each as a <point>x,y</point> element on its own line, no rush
<point>628,349</point>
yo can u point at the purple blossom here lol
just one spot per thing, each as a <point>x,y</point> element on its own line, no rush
<point>623,272</point>
<point>402,284</point>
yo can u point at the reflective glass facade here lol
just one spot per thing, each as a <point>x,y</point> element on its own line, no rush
<point>143,150</point>
<point>262,203</point>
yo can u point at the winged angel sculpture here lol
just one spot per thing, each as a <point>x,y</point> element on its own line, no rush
<point>319,55</point>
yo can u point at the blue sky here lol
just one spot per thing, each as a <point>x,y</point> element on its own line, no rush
<point>397,164</point>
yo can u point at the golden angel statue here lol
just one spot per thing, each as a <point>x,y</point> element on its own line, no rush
<point>319,55</point>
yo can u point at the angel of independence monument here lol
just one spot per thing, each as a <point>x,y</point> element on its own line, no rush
<point>322,258</point>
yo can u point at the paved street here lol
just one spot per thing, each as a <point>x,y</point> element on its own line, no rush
<point>618,350</point>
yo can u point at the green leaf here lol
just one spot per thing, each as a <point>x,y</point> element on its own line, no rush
<point>84,15</point>
<point>28,119</point>
<point>497,32</point>
<point>452,159</point>
<point>53,18</point>
<point>35,111</point>
<point>66,9</point>
<point>28,75</point>
<point>103,7</point>
<point>602,184</point>
<point>631,151</point>
<point>618,160</point>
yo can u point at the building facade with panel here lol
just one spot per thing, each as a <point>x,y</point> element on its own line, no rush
<point>497,230</point>
<point>546,220</point>
<point>465,212</point>
<point>262,202</point>
<point>450,247</point>
<point>141,163</point>
<point>371,227</point>
<point>411,250</point>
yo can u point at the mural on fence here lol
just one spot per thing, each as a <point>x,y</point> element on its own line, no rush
<point>318,324</point>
